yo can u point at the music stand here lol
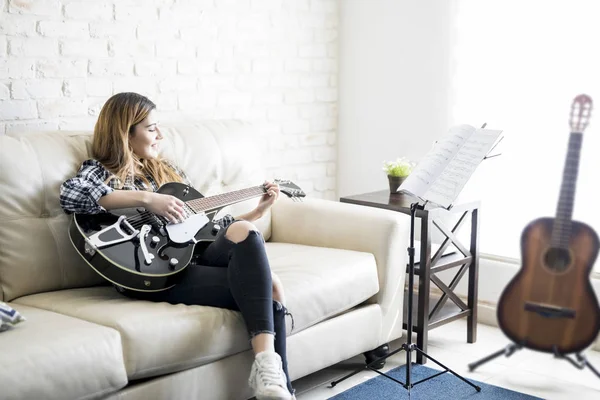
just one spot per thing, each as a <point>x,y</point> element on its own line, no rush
<point>408,346</point>
<point>433,164</point>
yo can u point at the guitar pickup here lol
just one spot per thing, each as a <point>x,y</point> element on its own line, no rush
<point>549,311</point>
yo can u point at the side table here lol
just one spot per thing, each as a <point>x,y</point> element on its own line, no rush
<point>434,311</point>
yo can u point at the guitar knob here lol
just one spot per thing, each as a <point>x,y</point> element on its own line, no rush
<point>215,229</point>
<point>173,262</point>
<point>155,241</point>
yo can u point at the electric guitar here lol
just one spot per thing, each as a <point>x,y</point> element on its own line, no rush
<point>550,305</point>
<point>142,251</point>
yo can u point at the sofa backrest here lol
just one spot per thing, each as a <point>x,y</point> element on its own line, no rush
<point>36,254</point>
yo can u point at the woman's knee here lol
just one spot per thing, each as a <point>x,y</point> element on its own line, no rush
<point>239,230</point>
<point>278,293</point>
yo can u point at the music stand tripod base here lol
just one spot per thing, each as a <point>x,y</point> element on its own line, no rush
<point>408,346</point>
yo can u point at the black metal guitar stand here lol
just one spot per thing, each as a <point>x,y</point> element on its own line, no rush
<point>580,362</point>
<point>408,346</point>
<point>507,351</point>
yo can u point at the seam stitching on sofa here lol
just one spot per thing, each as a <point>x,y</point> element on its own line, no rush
<point>37,159</point>
<point>185,366</point>
<point>14,218</point>
<point>28,144</point>
<point>60,260</point>
<point>117,387</point>
<point>103,392</point>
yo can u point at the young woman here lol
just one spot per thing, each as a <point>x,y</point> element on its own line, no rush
<point>233,271</point>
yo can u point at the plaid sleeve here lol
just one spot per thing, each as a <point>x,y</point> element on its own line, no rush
<point>81,193</point>
<point>225,221</point>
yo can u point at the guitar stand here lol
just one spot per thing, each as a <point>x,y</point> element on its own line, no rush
<point>580,362</point>
<point>408,346</point>
<point>507,351</point>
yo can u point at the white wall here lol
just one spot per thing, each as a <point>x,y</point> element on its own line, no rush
<point>394,86</point>
<point>267,61</point>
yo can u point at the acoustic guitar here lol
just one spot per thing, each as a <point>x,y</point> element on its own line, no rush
<point>550,305</point>
<point>139,250</point>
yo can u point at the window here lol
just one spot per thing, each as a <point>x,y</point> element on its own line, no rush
<point>517,65</point>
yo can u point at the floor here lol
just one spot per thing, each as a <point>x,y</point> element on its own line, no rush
<point>535,373</point>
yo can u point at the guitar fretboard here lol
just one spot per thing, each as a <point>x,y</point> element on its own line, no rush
<point>561,232</point>
<point>221,200</point>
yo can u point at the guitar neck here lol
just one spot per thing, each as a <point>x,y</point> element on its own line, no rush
<point>561,232</point>
<point>224,199</point>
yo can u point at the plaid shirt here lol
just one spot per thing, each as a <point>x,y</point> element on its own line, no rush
<point>81,193</point>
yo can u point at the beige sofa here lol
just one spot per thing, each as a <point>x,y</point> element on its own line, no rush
<point>341,265</point>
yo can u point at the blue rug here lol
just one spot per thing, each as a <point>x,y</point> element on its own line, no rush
<point>443,387</point>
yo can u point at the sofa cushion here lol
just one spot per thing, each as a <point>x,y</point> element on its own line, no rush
<point>159,338</point>
<point>320,282</point>
<point>53,356</point>
<point>217,156</point>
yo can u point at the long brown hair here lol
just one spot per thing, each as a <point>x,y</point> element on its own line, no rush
<point>116,122</point>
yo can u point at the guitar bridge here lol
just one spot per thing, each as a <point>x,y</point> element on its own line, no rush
<point>549,311</point>
<point>124,232</point>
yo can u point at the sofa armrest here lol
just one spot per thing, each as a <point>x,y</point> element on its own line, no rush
<point>383,233</point>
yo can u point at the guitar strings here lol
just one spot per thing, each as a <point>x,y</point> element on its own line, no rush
<point>139,220</point>
<point>146,217</point>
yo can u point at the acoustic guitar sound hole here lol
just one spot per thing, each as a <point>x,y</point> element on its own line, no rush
<point>558,260</point>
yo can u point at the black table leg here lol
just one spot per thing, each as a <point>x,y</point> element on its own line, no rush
<point>473,278</point>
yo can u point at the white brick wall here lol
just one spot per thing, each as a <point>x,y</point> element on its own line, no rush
<point>271,62</point>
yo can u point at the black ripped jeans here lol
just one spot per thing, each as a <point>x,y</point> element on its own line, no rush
<point>236,276</point>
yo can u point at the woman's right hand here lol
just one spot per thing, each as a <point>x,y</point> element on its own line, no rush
<point>167,206</point>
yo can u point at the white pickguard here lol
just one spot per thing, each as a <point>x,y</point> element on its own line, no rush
<point>185,231</point>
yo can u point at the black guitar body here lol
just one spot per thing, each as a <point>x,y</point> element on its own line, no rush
<point>124,263</point>
<point>138,250</point>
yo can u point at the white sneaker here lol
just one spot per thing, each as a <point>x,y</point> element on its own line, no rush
<point>267,378</point>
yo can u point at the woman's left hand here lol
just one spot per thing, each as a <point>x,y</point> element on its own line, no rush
<point>268,199</point>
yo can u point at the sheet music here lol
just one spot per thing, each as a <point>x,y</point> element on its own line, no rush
<point>444,171</point>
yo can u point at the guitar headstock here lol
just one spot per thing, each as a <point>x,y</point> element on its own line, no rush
<point>581,110</point>
<point>290,189</point>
